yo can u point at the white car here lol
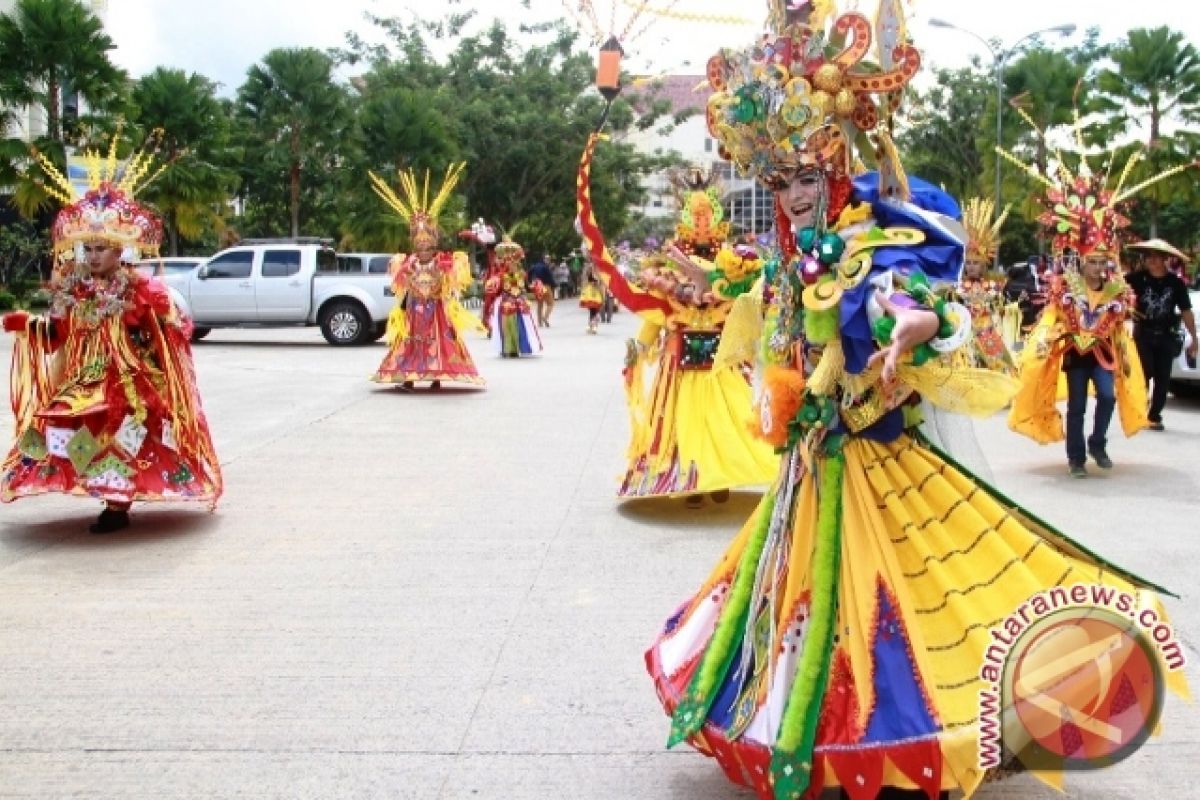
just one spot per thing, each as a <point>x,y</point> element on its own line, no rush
<point>168,265</point>
<point>285,282</point>
<point>1185,377</point>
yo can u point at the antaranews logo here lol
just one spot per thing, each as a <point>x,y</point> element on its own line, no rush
<point>1074,679</point>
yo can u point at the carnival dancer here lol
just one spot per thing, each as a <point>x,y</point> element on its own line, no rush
<point>518,334</point>
<point>1162,303</point>
<point>592,298</point>
<point>103,387</point>
<point>689,419</point>
<point>996,321</point>
<point>485,236</point>
<point>424,332</point>
<point>838,642</point>
<point>1082,329</point>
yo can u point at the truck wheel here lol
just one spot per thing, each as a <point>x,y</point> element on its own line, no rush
<point>199,333</point>
<point>345,323</point>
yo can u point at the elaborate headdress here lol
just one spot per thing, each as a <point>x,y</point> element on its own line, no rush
<point>983,234</point>
<point>508,251</point>
<point>802,95</point>
<point>1079,210</point>
<point>103,207</point>
<point>415,207</point>
<point>702,227</point>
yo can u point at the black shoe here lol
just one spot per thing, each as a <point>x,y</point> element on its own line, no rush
<point>407,386</point>
<point>1157,426</point>
<point>1101,458</point>
<point>110,520</point>
<point>1078,470</point>
<point>435,385</point>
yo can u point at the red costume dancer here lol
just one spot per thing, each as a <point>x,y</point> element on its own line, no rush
<point>103,388</point>
<point>425,327</point>
<point>482,234</point>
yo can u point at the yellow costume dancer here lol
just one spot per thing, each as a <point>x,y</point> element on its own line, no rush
<point>1082,330</point>
<point>996,322</point>
<point>425,328</point>
<point>840,641</point>
<point>688,418</point>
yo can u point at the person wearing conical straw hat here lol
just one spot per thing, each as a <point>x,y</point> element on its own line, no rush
<point>837,644</point>
<point>1162,302</point>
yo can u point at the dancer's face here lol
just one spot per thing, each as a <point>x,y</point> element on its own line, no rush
<point>1093,268</point>
<point>799,198</point>
<point>102,257</point>
<point>973,270</point>
<point>425,251</point>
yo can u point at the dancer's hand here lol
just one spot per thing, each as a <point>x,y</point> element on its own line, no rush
<point>914,326</point>
<point>689,268</point>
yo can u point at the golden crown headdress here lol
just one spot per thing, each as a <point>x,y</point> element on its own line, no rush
<point>415,207</point>
<point>983,235</point>
<point>803,94</point>
<point>508,251</point>
<point>101,204</point>
<point>1080,211</point>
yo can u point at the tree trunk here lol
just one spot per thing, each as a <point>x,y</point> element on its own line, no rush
<point>1155,121</point>
<point>295,180</point>
<point>53,90</point>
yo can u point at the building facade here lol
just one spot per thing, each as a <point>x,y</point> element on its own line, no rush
<point>748,206</point>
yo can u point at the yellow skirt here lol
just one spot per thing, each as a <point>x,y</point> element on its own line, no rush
<point>908,580</point>
<point>690,433</point>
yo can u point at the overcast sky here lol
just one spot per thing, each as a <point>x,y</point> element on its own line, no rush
<point>222,38</point>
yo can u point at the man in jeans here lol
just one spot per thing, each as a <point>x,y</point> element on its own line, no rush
<point>1162,301</point>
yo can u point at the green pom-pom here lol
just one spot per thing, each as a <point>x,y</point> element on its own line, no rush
<point>883,329</point>
<point>945,330</point>
<point>831,248</point>
<point>806,239</point>
<point>821,327</point>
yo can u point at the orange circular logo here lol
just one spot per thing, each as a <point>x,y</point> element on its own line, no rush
<point>1083,689</point>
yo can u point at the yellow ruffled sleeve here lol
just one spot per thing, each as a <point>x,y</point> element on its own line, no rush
<point>1034,411</point>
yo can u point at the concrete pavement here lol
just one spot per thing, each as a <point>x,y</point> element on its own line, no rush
<point>436,596</point>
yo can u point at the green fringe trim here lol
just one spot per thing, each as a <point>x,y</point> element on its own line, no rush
<point>693,709</point>
<point>791,761</point>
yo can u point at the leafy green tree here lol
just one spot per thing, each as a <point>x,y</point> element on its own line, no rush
<point>292,116</point>
<point>1155,79</point>
<point>49,45</point>
<point>518,111</point>
<point>944,140</point>
<point>191,194</point>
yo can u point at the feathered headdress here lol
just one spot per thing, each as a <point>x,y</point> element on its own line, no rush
<point>101,206</point>
<point>1080,211</point>
<point>802,96</point>
<point>415,207</point>
<point>983,234</point>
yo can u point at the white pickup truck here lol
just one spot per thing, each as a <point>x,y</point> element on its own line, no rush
<point>284,282</point>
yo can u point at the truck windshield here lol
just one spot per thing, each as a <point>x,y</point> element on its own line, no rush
<point>326,260</point>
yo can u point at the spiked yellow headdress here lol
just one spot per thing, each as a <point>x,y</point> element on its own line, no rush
<point>983,234</point>
<point>415,207</point>
<point>105,209</point>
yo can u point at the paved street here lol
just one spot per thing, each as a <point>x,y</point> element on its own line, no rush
<point>436,596</point>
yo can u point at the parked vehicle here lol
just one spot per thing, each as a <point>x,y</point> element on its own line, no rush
<point>371,263</point>
<point>1185,375</point>
<point>285,282</point>
<point>168,265</point>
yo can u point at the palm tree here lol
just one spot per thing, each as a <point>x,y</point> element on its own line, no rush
<point>290,104</point>
<point>1157,78</point>
<point>52,44</point>
<point>195,139</point>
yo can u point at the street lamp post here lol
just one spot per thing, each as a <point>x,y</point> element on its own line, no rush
<point>999,59</point>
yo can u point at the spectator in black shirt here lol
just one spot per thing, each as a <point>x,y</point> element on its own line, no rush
<point>1162,301</point>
